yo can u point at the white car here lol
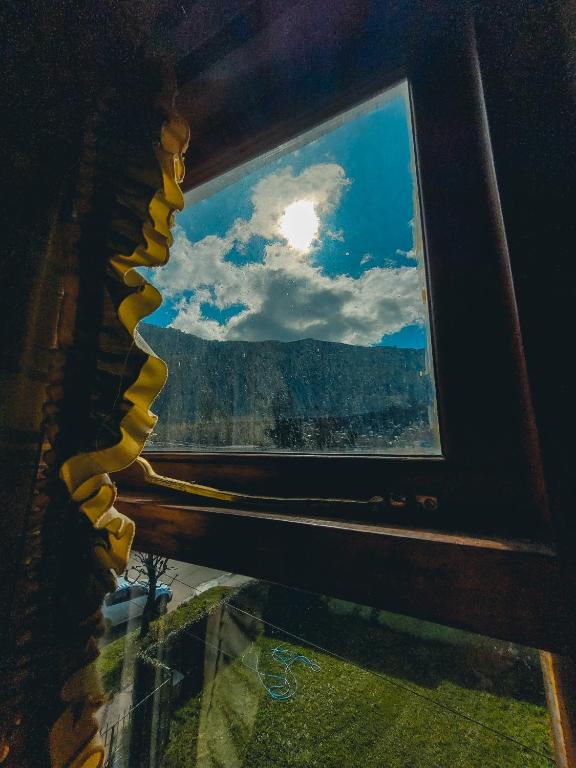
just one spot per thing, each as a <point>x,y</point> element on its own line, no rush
<point>127,602</point>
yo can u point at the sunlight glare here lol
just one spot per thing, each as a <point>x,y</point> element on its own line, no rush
<point>299,224</point>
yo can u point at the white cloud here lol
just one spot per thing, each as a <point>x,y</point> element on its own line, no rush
<point>287,296</point>
<point>411,254</point>
<point>336,234</point>
<point>323,184</point>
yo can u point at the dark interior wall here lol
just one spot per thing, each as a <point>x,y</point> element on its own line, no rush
<point>56,57</point>
<point>41,120</point>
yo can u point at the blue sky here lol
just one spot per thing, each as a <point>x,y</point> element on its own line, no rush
<point>242,269</point>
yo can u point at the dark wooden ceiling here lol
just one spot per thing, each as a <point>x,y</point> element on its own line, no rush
<point>255,74</point>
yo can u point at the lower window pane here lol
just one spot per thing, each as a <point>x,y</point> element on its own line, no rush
<point>216,669</point>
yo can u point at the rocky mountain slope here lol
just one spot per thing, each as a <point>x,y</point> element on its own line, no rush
<point>301,395</point>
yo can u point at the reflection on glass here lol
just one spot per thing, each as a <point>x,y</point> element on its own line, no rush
<point>241,673</point>
<point>153,599</point>
<point>295,315</point>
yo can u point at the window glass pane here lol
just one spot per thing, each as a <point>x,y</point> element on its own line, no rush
<point>295,314</point>
<point>136,590</point>
<point>240,672</point>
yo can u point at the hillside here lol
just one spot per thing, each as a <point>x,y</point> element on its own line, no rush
<point>300,395</point>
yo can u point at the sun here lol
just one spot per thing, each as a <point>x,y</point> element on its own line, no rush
<point>299,224</point>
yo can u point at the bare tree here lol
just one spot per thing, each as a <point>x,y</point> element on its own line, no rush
<point>152,567</point>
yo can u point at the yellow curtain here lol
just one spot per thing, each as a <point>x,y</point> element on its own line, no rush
<point>128,195</point>
<point>86,474</point>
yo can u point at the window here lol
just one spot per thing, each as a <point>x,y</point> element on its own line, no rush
<point>477,557</point>
<point>487,481</point>
<point>327,427</point>
<point>296,299</point>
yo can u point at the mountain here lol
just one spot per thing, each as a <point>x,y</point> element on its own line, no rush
<point>299,395</point>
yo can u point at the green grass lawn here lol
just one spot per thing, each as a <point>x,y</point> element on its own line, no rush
<point>378,709</point>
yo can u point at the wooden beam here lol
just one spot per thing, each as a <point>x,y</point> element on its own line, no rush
<point>560,684</point>
<point>505,589</point>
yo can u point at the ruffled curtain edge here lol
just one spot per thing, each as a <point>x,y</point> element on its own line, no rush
<point>86,475</point>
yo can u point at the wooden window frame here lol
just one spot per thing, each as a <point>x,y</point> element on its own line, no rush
<point>483,560</point>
